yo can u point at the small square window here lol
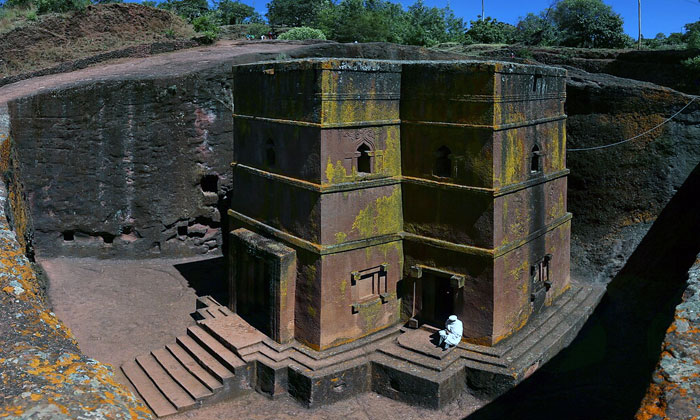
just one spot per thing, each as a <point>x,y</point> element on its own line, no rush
<point>369,284</point>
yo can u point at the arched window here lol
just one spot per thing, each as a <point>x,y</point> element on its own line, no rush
<point>443,163</point>
<point>364,162</point>
<point>535,160</point>
<point>270,156</point>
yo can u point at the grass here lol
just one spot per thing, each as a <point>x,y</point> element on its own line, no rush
<point>51,43</point>
<point>15,17</point>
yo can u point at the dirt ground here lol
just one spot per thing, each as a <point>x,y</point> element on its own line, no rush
<point>56,38</point>
<point>118,309</point>
<point>173,63</point>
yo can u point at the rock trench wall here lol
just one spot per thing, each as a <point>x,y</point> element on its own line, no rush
<point>616,194</point>
<point>129,168</point>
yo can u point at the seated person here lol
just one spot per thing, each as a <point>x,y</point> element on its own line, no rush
<point>452,334</point>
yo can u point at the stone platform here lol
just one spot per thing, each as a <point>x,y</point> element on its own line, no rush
<point>398,362</point>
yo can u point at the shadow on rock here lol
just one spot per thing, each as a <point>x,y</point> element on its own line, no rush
<point>207,277</point>
<point>606,370</point>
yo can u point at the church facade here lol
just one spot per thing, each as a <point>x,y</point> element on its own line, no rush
<point>371,193</point>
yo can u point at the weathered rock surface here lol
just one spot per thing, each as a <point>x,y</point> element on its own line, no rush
<point>675,390</point>
<point>616,193</point>
<point>44,375</point>
<point>661,67</point>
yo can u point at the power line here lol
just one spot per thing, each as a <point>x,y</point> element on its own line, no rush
<point>638,135</point>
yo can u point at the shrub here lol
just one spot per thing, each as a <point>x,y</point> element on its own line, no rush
<point>257,29</point>
<point>207,26</point>
<point>589,24</point>
<point>302,33</point>
<point>524,53</point>
<point>59,6</point>
<point>692,64</point>
<point>490,31</point>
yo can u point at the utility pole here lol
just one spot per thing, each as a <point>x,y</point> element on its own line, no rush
<point>639,9</point>
<point>482,10</point>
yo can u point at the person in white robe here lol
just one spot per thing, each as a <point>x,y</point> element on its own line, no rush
<point>452,334</point>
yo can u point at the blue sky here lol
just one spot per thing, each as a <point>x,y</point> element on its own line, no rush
<point>657,15</point>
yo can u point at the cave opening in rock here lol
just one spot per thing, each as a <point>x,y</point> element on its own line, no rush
<point>210,183</point>
<point>68,236</point>
<point>108,238</point>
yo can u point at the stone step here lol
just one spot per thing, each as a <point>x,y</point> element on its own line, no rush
<point>543,329</point>
<point>561,304</point>
<point>204,358</point>
<point>218,311</point>
<point>205,301</point>
<point>147,389</point>
<point>171,389</point>
<point>193,367</point>
<point>416,359</point>
<point>218,350</point>
<point>578,308</point>
<point>203,314</point>
<point>285,355</point>
<point>179,373</point>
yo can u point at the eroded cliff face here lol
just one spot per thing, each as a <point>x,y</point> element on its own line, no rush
<point>132,168</point>
<point>616,193</point>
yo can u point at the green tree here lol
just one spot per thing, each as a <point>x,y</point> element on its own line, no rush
<point>537,30</point>
<point>362,21</point>
<point>490,31</point>
<point>692,35</point>
<point>430,26</point>
<point>294,12</point>
<point>233,12</point>
<point>589,23</point>
<point>188,9</point>
<point>22,4</point>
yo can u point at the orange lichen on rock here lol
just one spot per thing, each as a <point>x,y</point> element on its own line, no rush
<point>44,375</point>
<point>653,404</point>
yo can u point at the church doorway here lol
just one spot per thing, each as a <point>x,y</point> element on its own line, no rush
<point>253,297</point>
<point>438,299</point>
